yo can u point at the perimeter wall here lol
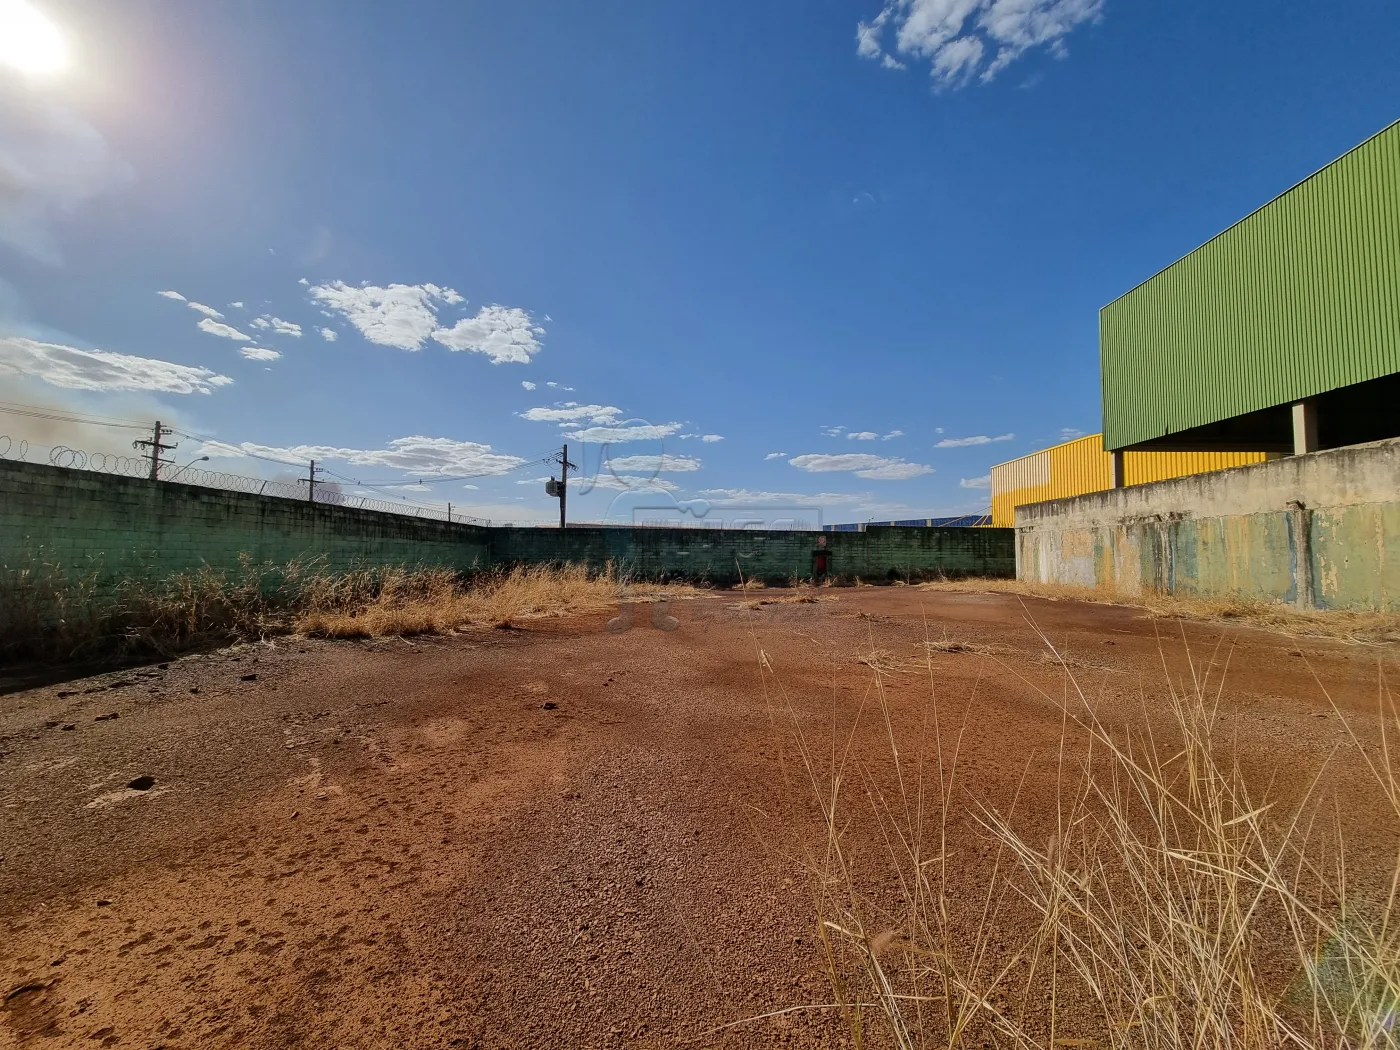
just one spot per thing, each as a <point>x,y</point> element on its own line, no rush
<point>120,527</point>
<point>1321,530</point>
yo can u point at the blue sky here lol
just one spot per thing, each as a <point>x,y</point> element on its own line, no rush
<point>804,253</point>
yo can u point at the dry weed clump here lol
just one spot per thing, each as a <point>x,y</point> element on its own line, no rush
<point>1159,903</point>
<point>51,612</point>
<point>1343,624</point>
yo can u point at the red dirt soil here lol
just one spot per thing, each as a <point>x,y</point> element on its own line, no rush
<point>554,836</point>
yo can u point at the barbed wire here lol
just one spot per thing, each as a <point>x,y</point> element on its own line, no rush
<point>140,467</point>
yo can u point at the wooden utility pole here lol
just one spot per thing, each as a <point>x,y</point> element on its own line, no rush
<point>156,448</point>
<point>563,485</point>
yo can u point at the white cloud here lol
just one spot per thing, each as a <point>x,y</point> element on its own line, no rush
<point>835,432</point>
<point>1070,433</point>
<point>862,435</point>
<point>400,315</point>
<point>215,328</point>
<point>639,432</point>
<point>302,280</point>
<point>976,439</point>
<point>102,370</point>
<point>330,335</point>
<point>258,353</point>
<point>171,294</point>
<point>236,306</point>
<point>629,483</point>
<point>207,311</point>
<point>424,456</point>
<point>753,497</point>
<point>984,482</point>
<point>505,334</point>
<point>863,464</point>
<point>559,386</point>
<point>52,163</point>
<point>654,464</point>
<point>573,412</point>
<point>710,439</point>
<point>278,325</point>
<point>955,36</point>
<point>892,435</point>
<point>776,455</point>
<point>527,384</point>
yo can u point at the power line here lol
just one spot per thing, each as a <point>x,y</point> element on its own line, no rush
<point>13,409</point>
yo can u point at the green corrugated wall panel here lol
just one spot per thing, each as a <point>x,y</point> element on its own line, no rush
<point>1301,297</point>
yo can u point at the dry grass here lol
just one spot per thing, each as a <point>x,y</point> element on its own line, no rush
<point>49,612</point>
<point>1346,625</point>
<point>1159,904</point>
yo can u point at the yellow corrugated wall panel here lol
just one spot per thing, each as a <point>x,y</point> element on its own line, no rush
<point>1082,465</point>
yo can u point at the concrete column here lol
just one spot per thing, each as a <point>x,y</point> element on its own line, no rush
<point>1116,470</point>
<point>1302,554</point>
<point>1305,427</point>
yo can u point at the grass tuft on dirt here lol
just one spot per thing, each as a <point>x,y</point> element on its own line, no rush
<point>50,612</point>
<point>1374,628</point>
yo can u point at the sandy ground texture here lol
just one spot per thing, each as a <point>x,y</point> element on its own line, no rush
<point>553,836</point>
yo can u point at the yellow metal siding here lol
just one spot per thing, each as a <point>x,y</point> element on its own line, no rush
<point>1081,466</point>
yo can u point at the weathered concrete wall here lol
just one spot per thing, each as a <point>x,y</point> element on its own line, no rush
<point>720,555</point>
<point>1317,530</point>
<point>122,526</point>
<point>135,527</point>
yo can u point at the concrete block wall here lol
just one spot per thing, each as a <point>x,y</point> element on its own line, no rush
<point>118,526</point>
<point>136,527</point>
<point>1321,530</point>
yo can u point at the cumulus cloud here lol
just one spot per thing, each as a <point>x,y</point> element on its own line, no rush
<point>330,335</point>
<point>171,294</point>
<point>558,386</point>
<point>102,370</point>
<point>758,497</point>
<point>1070,433</point>
<point>207,311</point>
<point>963,39</point>
<point>976,439</point>
<point>52,163</point>
<point>259,353</point>
<point>227,331</point>
<point>892,435</point>
<point>710,439</point>
<point>278,325</point>
<point>399,315</point>
<point>423,456</point>
<point>573,412</point>
<point>505,334</point>
<point>834,432</point>
<point>527,384</point>
<point>655,464</point>
<point>236,306</point>
<point>862,464</point>
<point>635,432</point>
<point>776,455</point>
<point>984,482</point>
<point>630,483</point>
<point>862,435</point>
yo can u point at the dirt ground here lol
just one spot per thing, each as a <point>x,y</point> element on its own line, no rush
<point>558,835</point>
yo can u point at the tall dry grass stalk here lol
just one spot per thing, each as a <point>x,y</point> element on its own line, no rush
<point>1155,901</point>
<point>51,612</point>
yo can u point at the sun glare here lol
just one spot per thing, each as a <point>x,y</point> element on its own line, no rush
<point>29,40</point>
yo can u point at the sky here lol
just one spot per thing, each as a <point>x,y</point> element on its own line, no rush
<point>792,258</point>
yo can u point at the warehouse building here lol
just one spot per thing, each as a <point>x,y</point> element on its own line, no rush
<point>1278,342</point>
<point>1281,334</point>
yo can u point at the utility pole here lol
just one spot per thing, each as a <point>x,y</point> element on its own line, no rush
<point>563,485</point>
<point>156,448</point>
<point>311,483</point>
<point>560,488</point>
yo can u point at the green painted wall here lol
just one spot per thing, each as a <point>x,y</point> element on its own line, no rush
<point>1301,297</point>
<point>133,526</point>
<point>85,521</point>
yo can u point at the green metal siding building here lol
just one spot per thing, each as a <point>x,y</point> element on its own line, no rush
<point>1281,334</point>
